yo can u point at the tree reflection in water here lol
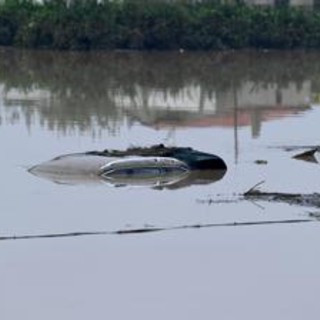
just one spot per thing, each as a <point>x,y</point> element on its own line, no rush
<point>101,90</point>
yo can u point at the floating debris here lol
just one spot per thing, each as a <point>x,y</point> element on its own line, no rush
<point>261,162</point>
<point>254,194</point>
<point>309,155</point>
<point>300,199</point>
<point>151,229</point>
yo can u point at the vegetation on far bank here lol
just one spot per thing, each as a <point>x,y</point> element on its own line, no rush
<point>155,25</point>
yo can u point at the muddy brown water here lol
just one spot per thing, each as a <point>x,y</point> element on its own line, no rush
<point>228,260</point>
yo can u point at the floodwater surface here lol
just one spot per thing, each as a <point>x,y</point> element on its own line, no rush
<point>72,247</point>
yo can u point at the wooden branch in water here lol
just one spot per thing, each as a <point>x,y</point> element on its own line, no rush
<point>153,229</point>
<point>254,194</point>
<point>254,188</point>
<point>301,199</point>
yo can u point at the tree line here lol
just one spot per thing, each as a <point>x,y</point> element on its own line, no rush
<point>155,25</point>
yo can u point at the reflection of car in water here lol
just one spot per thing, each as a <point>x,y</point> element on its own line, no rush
<point>155,167</point>
<point>151,171</point>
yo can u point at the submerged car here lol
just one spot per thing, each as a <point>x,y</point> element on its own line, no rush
<point>155,167</point>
